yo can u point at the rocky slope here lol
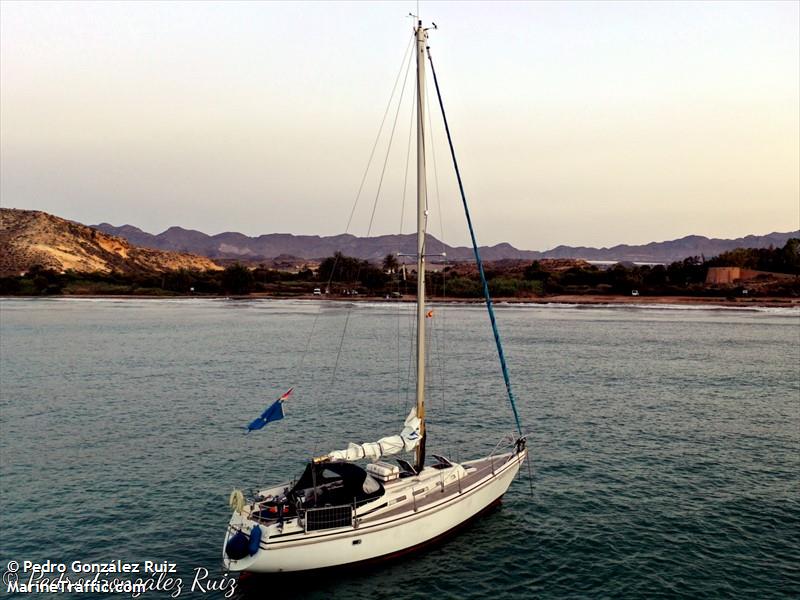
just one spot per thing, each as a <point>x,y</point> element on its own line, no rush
<point>32,237</point>
<point>232,245</point>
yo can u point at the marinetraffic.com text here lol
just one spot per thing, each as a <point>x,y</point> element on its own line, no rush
<point>134,579</point>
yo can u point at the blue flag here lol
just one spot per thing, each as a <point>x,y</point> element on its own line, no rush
<point>274,412</point>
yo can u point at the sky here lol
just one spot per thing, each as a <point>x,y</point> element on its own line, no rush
<point>586,123</point>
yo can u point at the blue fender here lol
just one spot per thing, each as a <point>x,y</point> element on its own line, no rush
<point>237,547</point>
<point>255,540</point>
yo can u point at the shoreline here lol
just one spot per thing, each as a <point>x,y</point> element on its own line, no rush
<point>588,300</point>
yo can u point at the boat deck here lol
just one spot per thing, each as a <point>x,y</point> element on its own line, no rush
<point>430,490</point>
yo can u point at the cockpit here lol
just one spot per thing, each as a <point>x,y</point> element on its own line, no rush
<point>324,484</point>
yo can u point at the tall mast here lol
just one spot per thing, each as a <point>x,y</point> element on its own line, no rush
<point>422,217</point>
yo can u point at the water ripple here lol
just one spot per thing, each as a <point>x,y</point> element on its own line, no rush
<point>665,442</point>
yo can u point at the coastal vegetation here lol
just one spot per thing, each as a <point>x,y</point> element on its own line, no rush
<point>778,260</point>
<point>344,275</point>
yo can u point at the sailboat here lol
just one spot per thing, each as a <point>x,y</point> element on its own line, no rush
<point>339,513</point>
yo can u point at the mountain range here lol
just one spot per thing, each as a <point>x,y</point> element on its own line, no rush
<point>233,245</point>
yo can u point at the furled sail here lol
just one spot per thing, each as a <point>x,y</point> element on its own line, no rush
<point>394,444</point>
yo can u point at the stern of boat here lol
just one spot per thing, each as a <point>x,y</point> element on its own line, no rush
<point>238,523</point>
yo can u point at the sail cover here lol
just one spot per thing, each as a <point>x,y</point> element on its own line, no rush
<point>394,444</point>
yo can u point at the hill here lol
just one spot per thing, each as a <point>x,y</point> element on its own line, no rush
<point>31,238</point>
<point>233,245</point>
<point>672,250</point>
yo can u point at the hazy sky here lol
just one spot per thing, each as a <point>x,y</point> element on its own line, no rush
<point>576,123</point>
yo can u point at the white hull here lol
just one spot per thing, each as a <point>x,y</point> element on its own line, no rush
<point>403,520</point>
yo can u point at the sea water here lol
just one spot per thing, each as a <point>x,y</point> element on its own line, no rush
<point>665,442</point>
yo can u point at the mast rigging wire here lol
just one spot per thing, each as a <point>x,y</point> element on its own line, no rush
<point>442,332</point>
<point>487,296</point>
<point>398,301</point>
<point>404,63</point>
<point>372,216</point>
<point>406,55</point>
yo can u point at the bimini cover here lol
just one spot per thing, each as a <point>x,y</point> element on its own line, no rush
<point>394,444</point>
<point>334,484</point>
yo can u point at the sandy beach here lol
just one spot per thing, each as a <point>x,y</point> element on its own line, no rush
<point>711,301</point>
<point>597,299</point>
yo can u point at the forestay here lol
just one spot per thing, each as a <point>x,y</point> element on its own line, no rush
<point>394,444</point>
